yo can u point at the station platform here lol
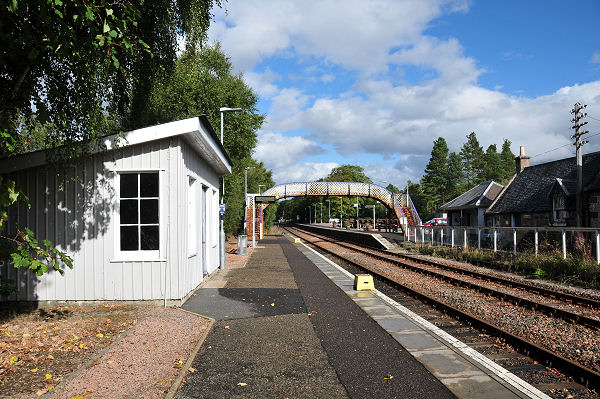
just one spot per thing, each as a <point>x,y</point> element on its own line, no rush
<point>290,325</point>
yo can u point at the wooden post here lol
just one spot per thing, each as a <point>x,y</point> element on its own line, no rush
<point>478,238</point>
<point>514,242</point>
<point>465,243</point>
<point>597,247</point>
<point>535,235</point>
<point>495,244</point>
<point>452,239</point>
<point>442,236</point>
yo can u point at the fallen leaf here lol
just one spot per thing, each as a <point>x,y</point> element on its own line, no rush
<point>227,327</point>
<point>191,369</point>
<point>13,360</point>
<point>100,335</point>
<point>388,377</point>
<point>273,304</point>
<point>48,376</point>
<point>35,370</point>
<point>242,384</point>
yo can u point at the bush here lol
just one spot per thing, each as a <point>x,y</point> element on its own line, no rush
<point>572,270</point>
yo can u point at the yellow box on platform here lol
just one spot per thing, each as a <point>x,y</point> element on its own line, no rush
<point>363,282</point>
<point>296,241</point>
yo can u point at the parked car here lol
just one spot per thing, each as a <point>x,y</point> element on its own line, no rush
<point>436,222</point>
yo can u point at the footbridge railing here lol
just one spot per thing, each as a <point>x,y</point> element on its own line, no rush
<point>400,204</point>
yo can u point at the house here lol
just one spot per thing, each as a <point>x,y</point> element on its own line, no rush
<point>468,209</point>
<point>544,194</point>
<point>139,218</point>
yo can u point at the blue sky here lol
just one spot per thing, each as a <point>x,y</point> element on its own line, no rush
<point>374,83</point>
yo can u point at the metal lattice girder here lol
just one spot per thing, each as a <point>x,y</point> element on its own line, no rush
<point>349,189</point>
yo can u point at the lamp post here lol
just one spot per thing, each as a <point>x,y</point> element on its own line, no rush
<point>259,186</point>
<point>372,206</point>
<point>321,203</point>
<point>341,214</point>
<point>328,210</point>
<point>246,169</point>
<point>222,231</point>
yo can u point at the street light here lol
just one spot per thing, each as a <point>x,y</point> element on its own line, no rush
<point>246,169</point>
<point>222,231</point>
<point>259,186</point>
<point>372,206</point>
<point>321,203</point>
<point>341,214</point>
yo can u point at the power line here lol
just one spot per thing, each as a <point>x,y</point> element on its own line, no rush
<point>565,145</point>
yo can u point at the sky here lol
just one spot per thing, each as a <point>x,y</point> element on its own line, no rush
<point>374,83</point>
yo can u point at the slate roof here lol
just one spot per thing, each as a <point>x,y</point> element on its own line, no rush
<point>480,196</point>
<point>530,191</point>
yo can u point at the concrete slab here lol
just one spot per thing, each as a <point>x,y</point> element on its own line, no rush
<point>478,387</point>
<point>417,341</point>
<point>379,310</point>
<point>445,363</point>
<point>397,323</point>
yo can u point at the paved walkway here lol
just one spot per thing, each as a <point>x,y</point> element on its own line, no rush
<point>284,329</point>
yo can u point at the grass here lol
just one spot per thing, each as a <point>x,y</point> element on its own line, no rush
<point>575,270</point>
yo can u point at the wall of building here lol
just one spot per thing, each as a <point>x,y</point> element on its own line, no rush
<point>76,211</point>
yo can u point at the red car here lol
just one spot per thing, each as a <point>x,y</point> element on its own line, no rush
<point>436,222</point>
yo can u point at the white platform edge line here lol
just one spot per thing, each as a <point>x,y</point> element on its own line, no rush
<point>469,352</point>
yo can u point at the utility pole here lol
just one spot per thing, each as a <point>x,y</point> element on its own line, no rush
<point>578,144</point>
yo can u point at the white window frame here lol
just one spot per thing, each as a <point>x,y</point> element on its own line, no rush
<point>139,255</point>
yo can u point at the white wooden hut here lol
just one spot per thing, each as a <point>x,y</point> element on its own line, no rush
<point>140,219</point>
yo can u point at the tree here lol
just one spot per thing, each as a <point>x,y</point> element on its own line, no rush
<point>492,169</point>
<point>71,72</point>
<point>201,83</point>
<point>454,176</point>
<point>68,64</point>
<point>507,158</point>
<point>434,180</point>
<point>472,158</point>
<point>348,173</point>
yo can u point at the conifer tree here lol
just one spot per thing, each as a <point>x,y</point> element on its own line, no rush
<point>455,176</point>
<point>492,169</point>
<point>436,171</point>
<point>473,160</point>
<point>508,161</point>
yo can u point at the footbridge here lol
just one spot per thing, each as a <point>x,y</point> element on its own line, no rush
<point>400,204</point>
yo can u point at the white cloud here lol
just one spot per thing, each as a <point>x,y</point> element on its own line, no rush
<point>355,34</point>
<point>380,115</point>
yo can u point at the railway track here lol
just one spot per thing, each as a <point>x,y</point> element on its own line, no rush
<point>386,265</point>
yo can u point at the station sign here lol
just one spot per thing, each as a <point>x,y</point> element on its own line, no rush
<point>221,209</point>
<point>264,199</point>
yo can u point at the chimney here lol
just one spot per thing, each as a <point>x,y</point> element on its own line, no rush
<point>522,161</point>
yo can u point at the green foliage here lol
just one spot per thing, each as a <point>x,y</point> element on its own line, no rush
<point>71,72</point>
<point>454,176</point>
<point>492,167</point>
<point>434,180</point>
<point>201,83</point>
<point>473,160</point>
<point>574,270</point>
<point>507,159</point>
<point>348,173</point>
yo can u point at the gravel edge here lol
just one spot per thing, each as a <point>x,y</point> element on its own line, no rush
<point>177,383</point>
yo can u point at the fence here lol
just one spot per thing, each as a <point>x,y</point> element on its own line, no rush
<point>582,242</point>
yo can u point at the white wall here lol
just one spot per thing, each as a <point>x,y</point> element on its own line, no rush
<point>76,212</point>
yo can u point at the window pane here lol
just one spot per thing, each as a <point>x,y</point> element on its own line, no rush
<point>129,185</point>
<point>148,184</point>
<point>149,237</point>
<point>129,238</point>
<point>149,211</point>
<point>129,211</point>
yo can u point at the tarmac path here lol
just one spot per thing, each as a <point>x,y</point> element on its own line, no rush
<point>284,330</point>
